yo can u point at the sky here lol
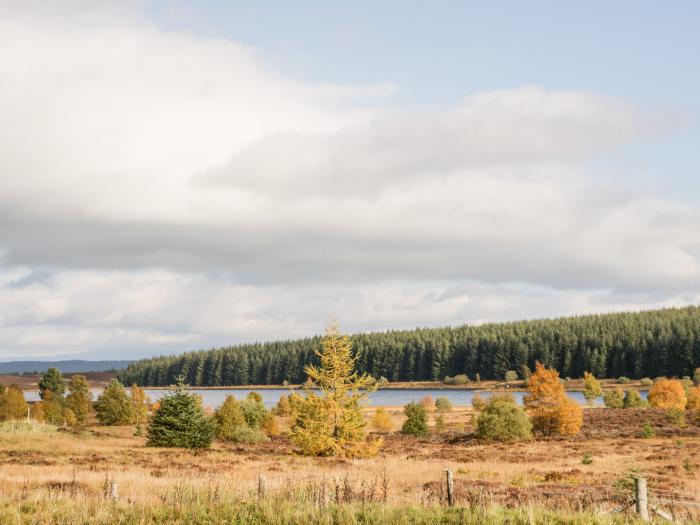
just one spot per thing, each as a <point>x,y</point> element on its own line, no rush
<point>178,175</point>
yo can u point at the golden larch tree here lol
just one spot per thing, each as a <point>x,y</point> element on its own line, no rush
<point>551,411</point>
<point>331,423</point>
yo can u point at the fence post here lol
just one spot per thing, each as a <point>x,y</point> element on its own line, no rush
<point>640,498</point>
<point>450,489</point>
<point>113,491</point>
<point>261,487</point>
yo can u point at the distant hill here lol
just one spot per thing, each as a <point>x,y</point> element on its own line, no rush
<point>22,367</point>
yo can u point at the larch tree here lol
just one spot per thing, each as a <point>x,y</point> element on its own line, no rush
<point>79,397</point>
<point>551,411</point>
<point>667,393</point>
<point>332,424</point>
<point>592,388</point>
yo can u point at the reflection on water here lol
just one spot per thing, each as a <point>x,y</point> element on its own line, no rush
<point>390,397</point>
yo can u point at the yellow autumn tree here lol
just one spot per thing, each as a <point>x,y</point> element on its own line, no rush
<point>550,410</point>
<point>667,393</point>
<point>331,423</point>
<point>592,388</point>
<point>693,396</point>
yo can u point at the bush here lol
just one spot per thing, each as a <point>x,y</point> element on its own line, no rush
<point>569,418</point>
<point>228,417</point>
<point>246,434</point>
<point>510,376</point>
<point>381,421</point>
<point>647,431</point>
<point>113,406</point>
<point>254,410</point>
<point>283,407</point>
<point>448,380</point>
<point>676,416</point>
<point>461,379</point>
<point>696,376</point>
<point>503,420</point>
<point>633,399</point>
<point>645,381</point>
<point>180,421</point>
<point>428,403</point>
<point>439,424</point>
<point>667,393</point>
<point>416,423</point>
<point>12,404</point>
<point>442,404</point>
<point>693,396</point>
<point>614,398</point>
<point>623,380</point>
<point>478,402</point>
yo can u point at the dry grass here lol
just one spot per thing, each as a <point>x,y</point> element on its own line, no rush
<point>39,465</point>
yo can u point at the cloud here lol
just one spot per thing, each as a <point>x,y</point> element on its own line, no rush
<point>162,192</point>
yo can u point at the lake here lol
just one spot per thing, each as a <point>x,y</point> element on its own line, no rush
<point>387,397</point>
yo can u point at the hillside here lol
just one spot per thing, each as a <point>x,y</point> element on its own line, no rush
<point>650,343</point>
<point>71,366</point>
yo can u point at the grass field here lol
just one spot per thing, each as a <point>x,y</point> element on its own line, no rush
<point>48,475</point>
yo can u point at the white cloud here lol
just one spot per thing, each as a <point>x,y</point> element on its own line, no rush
<point>161,192</point>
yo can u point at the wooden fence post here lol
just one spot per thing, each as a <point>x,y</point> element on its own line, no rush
<point>261,487</point>
<point>450,488</point>
<point>113,491</point>
<point>640,498</point>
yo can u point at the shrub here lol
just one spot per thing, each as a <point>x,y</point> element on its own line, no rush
<point>614,398</point>
<point>416,423</point>
<point>381,421</point>
<point>254,410</point>
<point>587,459</point>
<point>12,404</point>
<point>139,405</point>
<point>525,372</point>
<point>510,376</point>
<point>693,396</point>
<point>676,416</point>
<point>633,399</point>
<point>283,407</point>
<point>645,381</point>
<point>228,417</point>
<point>448,380</point>
<point>461,379</point>
<point>428,403</point>
<point>439,424</point>
<point>686,382</point>
<point>113,406</point>
<point>551,411</point>
<point>443,404</point>
<point>667,393</point>
<point>51,408</point>
<point>591,388</point>
<point>696,376</point>
<point>180,421</point>
<point>52,381</point>
<point>245,434</point>
<point>79,397</point>
<point>647,430</point>
<point>478,402</point>
<point>503,420</point>
<point>623,380</point>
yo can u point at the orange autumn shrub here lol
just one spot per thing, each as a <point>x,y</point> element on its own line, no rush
<point>569,417</point>
<point>693,396</point>
<point>667,393</point>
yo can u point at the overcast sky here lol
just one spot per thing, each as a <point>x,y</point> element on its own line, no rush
<point>182,175</point>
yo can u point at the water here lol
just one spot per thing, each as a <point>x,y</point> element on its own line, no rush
<point>388,397</point>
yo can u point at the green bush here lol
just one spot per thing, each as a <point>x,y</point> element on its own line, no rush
<point>241,421</point>
<point>645,381</point>
<point>614,398</point>
<point>52,381</point>
<point>696,376</point>
<point>448,380</point>
<point>416,423</point>
<point>461,379</point>
<point>113,406</point>
<point>633,400</point>
<point>180,421</point>
<point>442,404</point>
<point>246,434</point>
<point>511,375</point>
<point>647,431</point>
<point>676,417</point>
<point>501,419</point>
<point>623,380</point>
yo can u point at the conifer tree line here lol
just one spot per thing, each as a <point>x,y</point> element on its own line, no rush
<point>644,344</point>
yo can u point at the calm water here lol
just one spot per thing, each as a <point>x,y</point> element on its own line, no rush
<point>392,397</point>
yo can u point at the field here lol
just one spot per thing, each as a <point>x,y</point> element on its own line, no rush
<point>49,475</point>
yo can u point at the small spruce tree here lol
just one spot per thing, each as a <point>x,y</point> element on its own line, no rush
<point>416,423</point>
<point>52,381</point>
<point>180,422</point>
